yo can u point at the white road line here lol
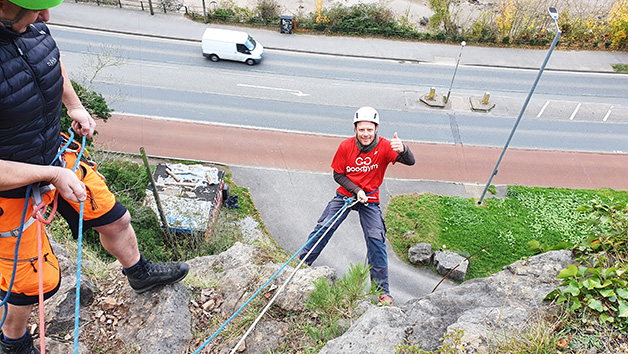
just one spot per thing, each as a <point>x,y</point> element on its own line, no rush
<point>543,109</point>
<point>608,114</point>
<point>293,92</point>
<point>575,111</point>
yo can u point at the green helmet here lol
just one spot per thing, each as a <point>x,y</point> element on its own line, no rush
<point>36,4</point>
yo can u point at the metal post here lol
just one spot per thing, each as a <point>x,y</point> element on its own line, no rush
<point>150,6</point>
<point>554,14</point>
<point>162,215</point>
<point>204,13</point>
<point>446,98</point>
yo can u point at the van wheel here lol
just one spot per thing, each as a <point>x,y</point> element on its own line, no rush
<point>250,62</point>
<point>213,57</point>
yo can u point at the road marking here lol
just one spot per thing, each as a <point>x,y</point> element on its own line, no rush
<point>575,111</point>
<point>293,92</point>
<point>608,114</point>
<point>543,109</point>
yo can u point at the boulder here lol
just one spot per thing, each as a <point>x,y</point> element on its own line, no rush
<point>239,276</point>
<point>421,254</point>
<point>446,261</point>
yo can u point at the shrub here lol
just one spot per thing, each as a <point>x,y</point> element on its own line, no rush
<point>368,19</point>
<point>596,290</point>
<point>482,30</point>
<point>93,102</point>
<point>443,18</point>
<point>618,21</point>
<point>267,11</point>
<point>336,303</point>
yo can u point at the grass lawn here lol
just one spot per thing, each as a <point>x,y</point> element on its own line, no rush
<point>505,225</point>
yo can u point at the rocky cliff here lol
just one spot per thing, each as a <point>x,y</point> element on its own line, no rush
<point>163,321</point>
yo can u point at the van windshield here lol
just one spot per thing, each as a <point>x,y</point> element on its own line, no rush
<point>250,43</point>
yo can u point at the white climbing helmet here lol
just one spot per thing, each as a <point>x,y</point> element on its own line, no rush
<point>366,114</point>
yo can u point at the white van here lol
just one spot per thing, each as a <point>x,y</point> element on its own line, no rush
<point>231,45</point>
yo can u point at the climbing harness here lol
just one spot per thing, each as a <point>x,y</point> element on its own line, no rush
<point>348,203</point>
<point>37,216</point>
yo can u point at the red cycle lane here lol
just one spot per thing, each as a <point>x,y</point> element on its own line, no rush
<point>308,152</point>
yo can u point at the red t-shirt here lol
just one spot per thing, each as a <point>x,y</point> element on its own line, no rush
<point>366,170</point>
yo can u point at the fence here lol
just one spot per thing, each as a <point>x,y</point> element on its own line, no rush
<point>142,5</point>
<point>206,12</point>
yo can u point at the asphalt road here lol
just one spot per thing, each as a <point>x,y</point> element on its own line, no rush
<point>315,93</point>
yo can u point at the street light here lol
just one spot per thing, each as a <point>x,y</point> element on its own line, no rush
<point>446,98</point>
<point>554,15</point>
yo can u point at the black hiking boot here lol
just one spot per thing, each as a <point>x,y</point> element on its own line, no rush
<point>22,346</point>
<point>147,275</point>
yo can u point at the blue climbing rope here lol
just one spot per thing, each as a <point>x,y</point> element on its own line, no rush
<point>79,252</point>
<point>347,202</point>
<point>4,302</point>
<point>294,272</point>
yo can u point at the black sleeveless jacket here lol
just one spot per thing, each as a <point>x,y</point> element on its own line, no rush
<point>31,88</point>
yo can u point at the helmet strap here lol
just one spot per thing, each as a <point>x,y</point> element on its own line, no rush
<point>8,23</point>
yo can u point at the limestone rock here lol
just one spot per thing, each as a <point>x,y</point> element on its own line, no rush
<point>445,261</point>
<point>421,254</point>
<point>473,307</point>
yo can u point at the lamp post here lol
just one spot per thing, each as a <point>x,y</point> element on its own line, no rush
<point>554,15</point>
<point>446,98</point>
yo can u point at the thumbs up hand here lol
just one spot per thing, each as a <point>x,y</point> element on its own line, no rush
<point>396,144</point>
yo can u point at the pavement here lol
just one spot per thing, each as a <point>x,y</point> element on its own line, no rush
<point>288,174</point>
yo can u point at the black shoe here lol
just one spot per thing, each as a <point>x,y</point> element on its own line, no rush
<point>147,275</point>
<point>22,346</point>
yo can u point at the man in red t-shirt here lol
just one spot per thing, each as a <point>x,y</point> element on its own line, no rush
<point>359,167</point>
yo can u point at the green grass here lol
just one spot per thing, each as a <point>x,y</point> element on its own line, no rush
<point>620,68</point>
<point>504,225</point>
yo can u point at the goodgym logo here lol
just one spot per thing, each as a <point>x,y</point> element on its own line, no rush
<point>362,164</point>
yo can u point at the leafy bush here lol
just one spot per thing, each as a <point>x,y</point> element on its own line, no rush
<point>93,102</point>
<point>596,291</point>
<point>482,30</point>
<point>618,20</point>
<point>443,18</point>
<point>368,19</point>
<point>609,220</point>
<point>267,11</point>
<point>228,11</point>
<point>595,294</point>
